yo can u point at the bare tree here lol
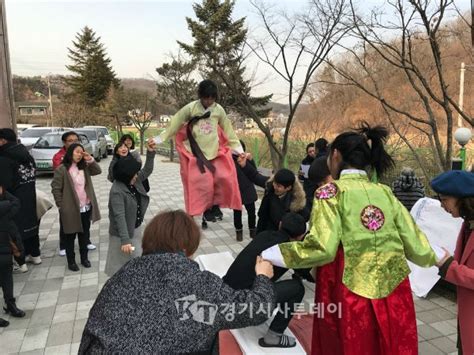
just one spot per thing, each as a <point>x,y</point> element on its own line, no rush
<point>408,42</point>
<point>293,47</point>
<point>74,113</point>
<point>134,104</point>
<point>175,86</point>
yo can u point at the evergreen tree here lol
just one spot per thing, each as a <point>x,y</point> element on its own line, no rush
<point>93,73</point>
<point>217,47</point>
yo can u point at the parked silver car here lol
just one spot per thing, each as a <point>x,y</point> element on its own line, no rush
<point>47,146</point>
<point>105,131</point>
<point>30,136</point>
<point>97,139</point>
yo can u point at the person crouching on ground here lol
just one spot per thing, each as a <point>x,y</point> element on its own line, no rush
<point>128,202</point>
<point>75,198</point>
<point>283,194</point>
<point>289,293</point>
<point>153,303</point>
<point>456,193</point>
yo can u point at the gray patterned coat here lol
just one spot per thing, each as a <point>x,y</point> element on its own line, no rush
<point>150,306</point>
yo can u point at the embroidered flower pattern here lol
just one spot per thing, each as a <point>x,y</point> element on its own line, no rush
<point>27,173</point>
<point>372,218</point>
<point>205,127</point>
<point>326,192</point>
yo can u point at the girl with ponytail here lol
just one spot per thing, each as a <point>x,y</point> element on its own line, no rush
<point>360,239</point>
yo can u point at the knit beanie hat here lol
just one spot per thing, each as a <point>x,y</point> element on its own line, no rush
<point>293,224</point>
<point>125,169</point>
<point>284,177</point>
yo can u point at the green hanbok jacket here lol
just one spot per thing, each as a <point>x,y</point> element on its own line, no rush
<point>375,230</point>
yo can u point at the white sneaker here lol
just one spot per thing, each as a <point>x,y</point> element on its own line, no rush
<point>91,247</point>
<point>35,260</point>
<point>62,252</point>
<point>23,268</point>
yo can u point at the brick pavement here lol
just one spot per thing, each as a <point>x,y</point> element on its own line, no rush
<point>57,301</point>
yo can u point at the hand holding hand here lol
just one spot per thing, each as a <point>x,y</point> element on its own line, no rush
<point>263,267</point>
<point>242,160</point>
<point>446,256</point>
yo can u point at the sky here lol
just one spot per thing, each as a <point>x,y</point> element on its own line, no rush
<point>138,35</point>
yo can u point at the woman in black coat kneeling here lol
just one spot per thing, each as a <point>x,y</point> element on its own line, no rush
<point>161,302</point>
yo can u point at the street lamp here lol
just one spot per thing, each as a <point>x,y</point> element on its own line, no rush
<point>463,135</point>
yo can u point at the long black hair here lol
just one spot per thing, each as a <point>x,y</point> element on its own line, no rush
<point>125,137</point>
<point>364,148</point>
<point>67,160</point>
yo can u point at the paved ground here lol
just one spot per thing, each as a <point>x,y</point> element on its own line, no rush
<point>57,301</point>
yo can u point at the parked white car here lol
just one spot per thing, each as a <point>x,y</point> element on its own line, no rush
<point>47,146</point>
<point>98,142</point>
<point>105,131</point>
<point>30,136</point>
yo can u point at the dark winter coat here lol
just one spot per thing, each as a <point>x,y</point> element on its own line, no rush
<point>151,306</point>
<point>241,274</point>
<point>273,208</point>
<point>246,187</point>
<point>24,187</point>
<point>123,206</point>
<point>62,188</point>
<point>9,208</point>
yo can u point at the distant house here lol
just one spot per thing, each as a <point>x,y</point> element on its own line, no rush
<point>32,108</point>
<point>165,119</point>
<point>249,123</point>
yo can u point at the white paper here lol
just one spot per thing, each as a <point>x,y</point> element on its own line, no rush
<point>440,253</point>
<point>441,230</point>
<point>305,170</point>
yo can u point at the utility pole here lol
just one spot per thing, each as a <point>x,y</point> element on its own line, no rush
<point>50,103</point>
<point>461,92</point>
<point>7,108</point>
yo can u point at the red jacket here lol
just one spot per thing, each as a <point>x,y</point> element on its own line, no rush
<point>461,273</point>
<point>58,158</point>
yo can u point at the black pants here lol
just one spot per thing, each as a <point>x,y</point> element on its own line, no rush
<point>250,207</point>
<point>62,242</point>
<point>6,281</point>
<point>31,247</point>
<point>83,238</point>
<point>289,294</point>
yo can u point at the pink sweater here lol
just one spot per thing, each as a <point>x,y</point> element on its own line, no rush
<point>79,180</point>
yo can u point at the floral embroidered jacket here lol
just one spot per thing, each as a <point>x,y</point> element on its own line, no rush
<point>377,234</point>
<point>205,130</point>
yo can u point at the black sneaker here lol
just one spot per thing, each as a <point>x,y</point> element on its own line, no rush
<point>209,216</point>
<point>217,212</point>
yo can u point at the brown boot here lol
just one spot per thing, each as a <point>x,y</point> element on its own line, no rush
<point>239,235</point>
<point>253,233</point>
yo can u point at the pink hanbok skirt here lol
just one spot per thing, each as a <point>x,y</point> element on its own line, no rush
<point>204,190</point>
